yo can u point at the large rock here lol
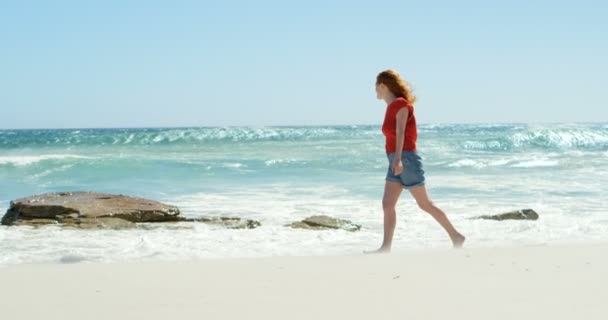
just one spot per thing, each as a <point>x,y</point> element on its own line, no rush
<point>325,222</point>
<point>87,209</point>
<point>91,210</point>
<point>524,214</point>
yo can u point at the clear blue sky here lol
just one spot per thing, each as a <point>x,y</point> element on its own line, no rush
<point>67,64</point>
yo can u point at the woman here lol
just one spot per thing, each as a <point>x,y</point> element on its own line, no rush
<point>405,167</point>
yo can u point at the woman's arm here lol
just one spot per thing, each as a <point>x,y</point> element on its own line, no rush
<point>401,122</point>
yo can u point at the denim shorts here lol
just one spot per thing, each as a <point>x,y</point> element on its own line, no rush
<point>412,174</point>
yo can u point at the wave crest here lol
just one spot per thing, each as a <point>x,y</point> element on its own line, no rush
<point>543,138</point>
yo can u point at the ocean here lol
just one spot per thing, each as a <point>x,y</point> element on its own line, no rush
<point>278,175</point>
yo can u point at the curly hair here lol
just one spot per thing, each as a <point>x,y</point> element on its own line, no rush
<point>397,85</point>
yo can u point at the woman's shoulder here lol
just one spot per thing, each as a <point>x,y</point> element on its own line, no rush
<point>400,102</point>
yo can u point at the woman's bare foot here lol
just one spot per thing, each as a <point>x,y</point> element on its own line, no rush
<point>458,240</point>
<point>381,250</point>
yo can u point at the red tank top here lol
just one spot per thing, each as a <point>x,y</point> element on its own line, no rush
<point>389,127</point>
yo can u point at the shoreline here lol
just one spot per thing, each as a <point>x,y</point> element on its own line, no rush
<point>564,281</point>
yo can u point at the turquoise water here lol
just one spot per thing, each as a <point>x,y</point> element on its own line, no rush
<point>281,174</point>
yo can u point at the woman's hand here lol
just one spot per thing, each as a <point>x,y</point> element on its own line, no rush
<point>397,166</point>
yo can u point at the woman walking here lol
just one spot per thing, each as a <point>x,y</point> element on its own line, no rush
<point>405,166</point>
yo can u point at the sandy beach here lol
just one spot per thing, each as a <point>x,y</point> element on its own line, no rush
<point>541,282</point>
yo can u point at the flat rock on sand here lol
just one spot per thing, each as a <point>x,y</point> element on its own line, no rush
<point>85,208</point>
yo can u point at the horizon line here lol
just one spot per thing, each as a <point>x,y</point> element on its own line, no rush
<point>302,125</point>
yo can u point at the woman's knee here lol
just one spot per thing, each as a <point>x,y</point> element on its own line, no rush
<point>426,206</point>
<point>387,204</point>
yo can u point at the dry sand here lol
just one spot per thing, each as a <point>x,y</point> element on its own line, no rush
<point>544,282</point>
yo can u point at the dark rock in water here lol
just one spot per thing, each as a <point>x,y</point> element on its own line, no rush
<point>87,210</point>
<point>325,222</point>
<point>228,222</point>
<point>72,259</point>
<point>165,226</point>
<point>36,222</point>
<point>524,214</point>
<point>185,223</point>
<point>99,223</point>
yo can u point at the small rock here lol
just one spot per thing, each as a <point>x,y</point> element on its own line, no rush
<point>524,214</point>
<point>228,222</point>
<point>71,259</point>
<point>325,222</point>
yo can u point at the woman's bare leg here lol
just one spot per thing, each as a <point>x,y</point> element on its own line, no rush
<point>392,190</point>
<point>427,205</point>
